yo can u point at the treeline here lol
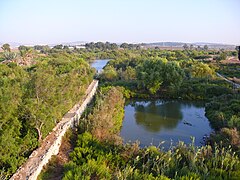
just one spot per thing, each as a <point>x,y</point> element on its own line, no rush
<point>111,46</point>
<point>160,77</point>
<point>33,99</point>
<point>101,46</point>
<point>100,50</point>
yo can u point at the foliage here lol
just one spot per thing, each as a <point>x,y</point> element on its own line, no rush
<point>201,70</point>
<point>6,47</point>
<point>101,46</point>
<point>150,76</point>
<point>156,73</point>
<point>109,74</point>
<point>95,157</point>
<point>12,145</point>
<point>92,159</point>
<point>105,120</point>
<point>9,55</point>
<point>229,70</point>
<point>33,100</point>
<point>222,56</point>
<point>224,111</point>
<point>158,77</point>
<point>224,114</point>
<point>203,89</point>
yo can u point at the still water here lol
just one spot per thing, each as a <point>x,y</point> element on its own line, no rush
<point>152,122</point>
<point>99,64</point>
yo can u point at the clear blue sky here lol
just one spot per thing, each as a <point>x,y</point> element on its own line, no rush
<point>56,21</point>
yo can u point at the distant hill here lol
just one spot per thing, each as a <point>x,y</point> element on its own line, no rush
<point>75,43</point>
<point>180,44</point>
<point>159,44</point>
<point>16,44</point>
<point>167,44</point>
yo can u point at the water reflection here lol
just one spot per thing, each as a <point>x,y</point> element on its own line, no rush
<point>155,116</point>
<point>151,122</point>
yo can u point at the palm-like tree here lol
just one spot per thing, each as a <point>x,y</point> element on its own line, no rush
<point>25,53</point>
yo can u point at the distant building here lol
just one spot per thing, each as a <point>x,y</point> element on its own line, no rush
<point>80,47</point>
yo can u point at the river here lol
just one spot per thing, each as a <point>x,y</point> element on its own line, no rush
<point>99,64</point>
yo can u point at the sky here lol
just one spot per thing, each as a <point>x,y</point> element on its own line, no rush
<point>132,21</point>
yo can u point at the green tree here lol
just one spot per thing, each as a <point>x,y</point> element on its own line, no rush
<point>124,45</point>
<point>223,56</point>
<point>60,46</point>
<point>23,48</point>
<point>12,80</point>
<point>6,47</point>
<point>66,47</point>
<point>205,47</point>
<point>150,75</point>
<point>129,73</point>
<point>185,47</point>
<point>9,55</point>
<point>191,47</point>
<point>173,75</point>
<point>25,52</point>
<point>109,73</point>
<point>201,70</point>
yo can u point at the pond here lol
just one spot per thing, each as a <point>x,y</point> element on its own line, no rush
<point>155,121</point>
<point>99,64</point>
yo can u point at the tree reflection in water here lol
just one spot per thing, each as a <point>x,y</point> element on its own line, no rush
<point>156,115</point>
<point>154,121</point>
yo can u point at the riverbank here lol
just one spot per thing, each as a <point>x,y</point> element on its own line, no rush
<point>98,157</point>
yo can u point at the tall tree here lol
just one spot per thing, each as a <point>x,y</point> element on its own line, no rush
<point>191,47</point>
<point>185,47</point>
<point>149,75</point>
<point>205,47</point>
<point>6,47</point>
<point>238,49</point>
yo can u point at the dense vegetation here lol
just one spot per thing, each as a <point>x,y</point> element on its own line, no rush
<point>159,77</point>
<point>95,157</point>
<point>105,119</point>
<point>230,70</point>
<point>171,74</point>
<point>33,99</point>
<point>224,115</point>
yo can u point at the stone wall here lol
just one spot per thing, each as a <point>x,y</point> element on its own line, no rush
<point>51,144</point>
